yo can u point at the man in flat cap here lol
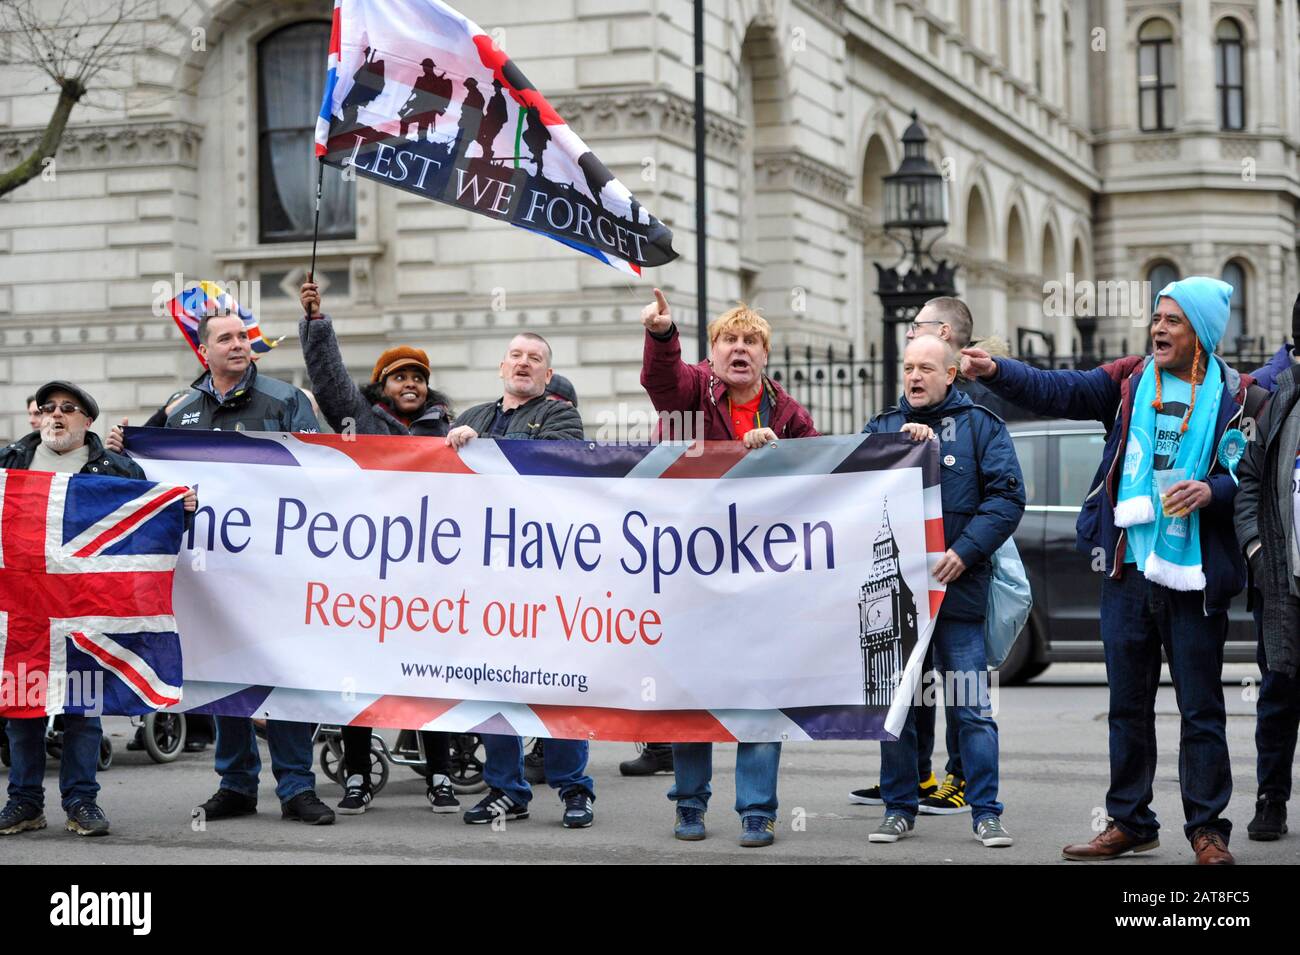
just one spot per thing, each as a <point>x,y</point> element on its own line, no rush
<point>63,444</point>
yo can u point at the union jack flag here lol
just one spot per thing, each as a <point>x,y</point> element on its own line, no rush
<point>86,565</point>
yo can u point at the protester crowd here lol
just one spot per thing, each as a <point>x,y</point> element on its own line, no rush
<point>1196,497</point>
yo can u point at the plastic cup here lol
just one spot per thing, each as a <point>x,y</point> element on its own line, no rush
<point>1164,481</point>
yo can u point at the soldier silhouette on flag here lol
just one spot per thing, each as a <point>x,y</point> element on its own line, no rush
<point>494,120</point>
<point>367,84</point>
<point>429,99</point>
<point>471,114</point>
<point>536,136</point>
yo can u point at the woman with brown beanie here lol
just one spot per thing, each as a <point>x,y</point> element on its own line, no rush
<point>399,401</point>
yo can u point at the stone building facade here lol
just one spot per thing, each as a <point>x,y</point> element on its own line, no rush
<point>1111,141</point>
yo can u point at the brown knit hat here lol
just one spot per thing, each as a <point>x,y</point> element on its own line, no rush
<point>400,357</point>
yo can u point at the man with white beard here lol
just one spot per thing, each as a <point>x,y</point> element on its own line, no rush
<point>64,444</point>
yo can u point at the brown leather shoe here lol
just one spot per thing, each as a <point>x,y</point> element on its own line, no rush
<point>1111,844</point>
<point>1211,849</point>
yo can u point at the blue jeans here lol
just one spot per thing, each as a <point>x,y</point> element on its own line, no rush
<point>925,719</point>
<point>77,764</point>
<point>959,655</point>
<point>1137,619</point>
<point>239,762</point>
<point>563,760</point>
<point>756,769</point>
<point>1277,718</point>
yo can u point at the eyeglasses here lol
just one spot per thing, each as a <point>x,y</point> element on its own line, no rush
<point>916,325</point>
<point>67,407</point>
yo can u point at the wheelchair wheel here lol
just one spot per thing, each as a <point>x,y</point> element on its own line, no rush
<point>105,753</point>
<point>378,768</point>
<point>467,763</point>
<point>331,759</point>
<point>164,736</point>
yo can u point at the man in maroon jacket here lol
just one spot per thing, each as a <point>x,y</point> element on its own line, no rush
<point>726,398</point>
<point>727,395</point>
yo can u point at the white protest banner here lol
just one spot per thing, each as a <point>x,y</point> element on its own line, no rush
<point>556,588</point>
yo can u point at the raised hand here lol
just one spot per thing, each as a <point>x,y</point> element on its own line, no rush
<point>309,295</point>
<point>977,363</point>
<point>655,316</point>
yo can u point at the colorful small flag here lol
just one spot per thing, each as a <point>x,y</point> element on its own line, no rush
<point>417,96</point>
<point>207,298</point>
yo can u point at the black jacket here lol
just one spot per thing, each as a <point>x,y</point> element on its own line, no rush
<point>538,418</point>
<point>19,455</point>
<point>1264,513</point>
<point>261,404</point>
<point>340,398</point>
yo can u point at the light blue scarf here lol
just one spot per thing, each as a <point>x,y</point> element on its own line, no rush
<point>1167,549</point>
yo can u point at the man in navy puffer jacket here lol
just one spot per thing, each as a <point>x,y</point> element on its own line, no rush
<point>983,499</point>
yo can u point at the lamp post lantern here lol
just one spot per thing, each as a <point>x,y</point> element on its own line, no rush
<point>916,201</point>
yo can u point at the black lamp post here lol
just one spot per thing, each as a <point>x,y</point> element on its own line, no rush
<point>916,201</point>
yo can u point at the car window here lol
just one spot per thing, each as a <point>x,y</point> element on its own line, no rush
<point>1029,449</point>
<point>1077,458</point>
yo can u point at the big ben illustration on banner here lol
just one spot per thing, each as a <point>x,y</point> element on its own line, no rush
<point>887,627</point>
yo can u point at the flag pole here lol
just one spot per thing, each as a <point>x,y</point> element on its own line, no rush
<point>701,258</point>
<point>315,231</point>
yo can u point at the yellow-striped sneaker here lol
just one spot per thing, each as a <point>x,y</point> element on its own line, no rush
<point>872,796</point>
<point>948,800</point>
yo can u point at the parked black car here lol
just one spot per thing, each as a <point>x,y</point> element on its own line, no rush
<point>1058,459</point>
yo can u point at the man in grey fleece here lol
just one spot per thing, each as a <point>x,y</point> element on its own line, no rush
<point>1267,512</point>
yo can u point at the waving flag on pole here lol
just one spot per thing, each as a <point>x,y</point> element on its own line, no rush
<point>207,298</point>
<point>419,97</point>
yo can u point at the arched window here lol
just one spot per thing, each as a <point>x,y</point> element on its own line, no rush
<point>1234,273</point>
<point>1228,72</point>
<point>1157,95</point>
<point>290,82</point>
<point>1158,276</point>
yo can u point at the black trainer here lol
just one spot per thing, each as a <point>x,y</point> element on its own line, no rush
<point>654,758</point>
<point>85,818</point>
<point>495,803</point>
<point>442,794</point>
<point>226,804</point>
<point>871,796</point>
<point>1269,823</point>
<point>19,817</point>
<point>356,796</point>
<point>307,807</point>
<point>535,764</point>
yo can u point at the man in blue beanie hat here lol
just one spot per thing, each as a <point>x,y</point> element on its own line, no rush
<point>1158,523</point>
